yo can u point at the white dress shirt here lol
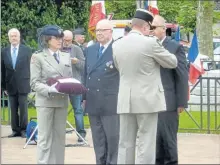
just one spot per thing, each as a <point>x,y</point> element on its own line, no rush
<point>106,46</point>
<point>57,52</point>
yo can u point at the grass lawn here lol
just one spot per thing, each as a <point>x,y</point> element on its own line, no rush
<point>186,124</point>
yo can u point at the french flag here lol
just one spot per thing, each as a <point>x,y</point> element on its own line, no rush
<point>151,5</point>
<point>177,34</point>
<point>196,68</point>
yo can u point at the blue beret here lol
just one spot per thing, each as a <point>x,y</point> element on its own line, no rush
<point>79,31</point>
<point>52,30</point>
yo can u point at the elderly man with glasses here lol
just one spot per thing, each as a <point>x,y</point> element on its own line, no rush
<point>78,61</point>
<point>102,81</point>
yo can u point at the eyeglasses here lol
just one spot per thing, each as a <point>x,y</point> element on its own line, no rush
<point>154,27</point>
<point>101,30</point>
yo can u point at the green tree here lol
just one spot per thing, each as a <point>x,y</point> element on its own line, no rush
<point>204,27</point>
<point>121,9</point>
<point>29,15</point>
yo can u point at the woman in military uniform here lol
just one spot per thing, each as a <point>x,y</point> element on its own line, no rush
<point>50,104</point>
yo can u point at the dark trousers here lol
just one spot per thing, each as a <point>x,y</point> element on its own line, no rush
<point>105,135</point>
<point>167,128</point>
<point>18,121</point>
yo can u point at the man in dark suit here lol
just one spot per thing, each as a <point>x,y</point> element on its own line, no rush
<point>102,81</point>
<point>15,65</point>
<point>175,83</point>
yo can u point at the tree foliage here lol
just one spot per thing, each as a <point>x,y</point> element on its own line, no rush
<point>204,30</point>
<point>182,12</point>
<point>121,9</point>
<point>29,15</point>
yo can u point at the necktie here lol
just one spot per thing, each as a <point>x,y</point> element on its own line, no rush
<point>14,57</point>
<point>56,58</point>
<point>100,51</point>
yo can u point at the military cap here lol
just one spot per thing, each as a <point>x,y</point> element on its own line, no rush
<point>79,31</point>
<point>144,15</point>
<point>52,30</point>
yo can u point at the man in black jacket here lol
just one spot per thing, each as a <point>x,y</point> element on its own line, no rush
<point>15,65</point>
<point>175,83</point>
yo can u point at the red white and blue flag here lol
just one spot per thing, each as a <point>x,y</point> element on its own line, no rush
<point>196,67</point>
<point>151,5</point>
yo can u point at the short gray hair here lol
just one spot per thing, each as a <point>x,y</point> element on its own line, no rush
<point>138,22</point>
<point>68,33</point>
<point>13,30</point>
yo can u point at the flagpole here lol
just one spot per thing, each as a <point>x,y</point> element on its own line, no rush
<point>140,4</point>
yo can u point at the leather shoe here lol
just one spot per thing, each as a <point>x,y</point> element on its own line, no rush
<point>80,140</point>
<point>83,135</point>
<point>14,134</point>
<point>23,135</point>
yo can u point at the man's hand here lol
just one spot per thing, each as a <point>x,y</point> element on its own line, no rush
<point>180,110</point>
<point>74,60</point>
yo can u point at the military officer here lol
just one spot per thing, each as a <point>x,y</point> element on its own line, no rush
<point>50,104</point>
<point>102,80</point>
<point>141,94</point>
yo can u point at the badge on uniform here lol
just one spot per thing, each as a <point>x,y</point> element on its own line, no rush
<point>110,64</point>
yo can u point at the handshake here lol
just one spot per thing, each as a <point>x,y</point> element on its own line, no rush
<point>66,85</point>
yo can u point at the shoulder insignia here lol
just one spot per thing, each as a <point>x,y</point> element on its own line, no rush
<point>118,38</point>
<point>38,51</point>
<point>159,43</point>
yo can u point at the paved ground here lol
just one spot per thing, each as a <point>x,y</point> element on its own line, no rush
<point>193,149</point>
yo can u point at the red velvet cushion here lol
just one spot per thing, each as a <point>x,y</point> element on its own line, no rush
<point>67,85</point>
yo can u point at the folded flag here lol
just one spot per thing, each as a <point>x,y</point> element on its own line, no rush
<point>67,85</point>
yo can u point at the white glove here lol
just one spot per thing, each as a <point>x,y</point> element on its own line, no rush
<point>53,89</point>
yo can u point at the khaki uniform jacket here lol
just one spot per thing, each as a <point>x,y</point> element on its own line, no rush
<point>138,59</point>
<point>44,66</point>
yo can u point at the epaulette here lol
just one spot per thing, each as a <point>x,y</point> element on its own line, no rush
<point>159,42</point>
<point>118,38</point>
<point>38,51</point>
